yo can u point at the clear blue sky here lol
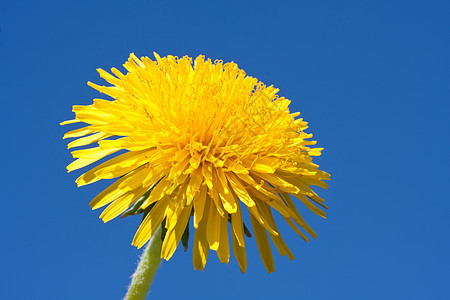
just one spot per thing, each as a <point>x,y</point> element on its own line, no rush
<point>371,78</point>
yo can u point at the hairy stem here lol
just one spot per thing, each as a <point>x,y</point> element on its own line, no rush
<point>146,269</point>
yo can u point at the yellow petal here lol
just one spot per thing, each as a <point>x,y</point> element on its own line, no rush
<point>263,245</point>
<point>277,240</point>
<point>280,183</point>
<point>93,153</point>
<point>214,193</point>
<point>118,188</point>
<point>223,252</point>
<point>78,132</point>
<point>237,226</point>
<point>155,174</point>
<point>239,253</point>
<point>79,163</point>
<point>207,174</point>
<point>82,162</point>
<point>213,229</point>
<point>295,228</point>
<point>174,209</point>
<point>122,165</point>
<point>200,246</point>
<point>296,215</point>
<point>254,211</point>
<point>173,237</point>
<point>228,200</point>
<point>88,140</point>
<point>199,206</point>
<point>311,206</point>
<point>69,122</point>
<point>240,190</point>
<point>151,223</point>
<point>157,193</point>
<point>194,185</point>
<point>122,204</point>
<point>108,77</point>
<point>125,162</point>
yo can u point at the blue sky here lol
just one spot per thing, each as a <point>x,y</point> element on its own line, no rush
<point>370,77</point>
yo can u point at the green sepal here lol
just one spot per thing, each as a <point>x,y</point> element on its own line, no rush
<point>136,208</point>
<point>147,210</point>
<point>185,238</point>
<point>163,229</point>
<point>246,231</point>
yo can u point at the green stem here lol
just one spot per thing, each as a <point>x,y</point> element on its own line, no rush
<point>146,269</point>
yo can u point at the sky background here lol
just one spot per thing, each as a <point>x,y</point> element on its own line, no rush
<point>370,77</point>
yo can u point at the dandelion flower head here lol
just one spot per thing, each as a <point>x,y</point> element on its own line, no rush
<point>199,140</point>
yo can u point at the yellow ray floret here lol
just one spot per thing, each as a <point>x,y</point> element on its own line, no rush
<point>203,139</point>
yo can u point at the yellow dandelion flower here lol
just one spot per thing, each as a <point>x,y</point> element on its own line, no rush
<point>201,140</point>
